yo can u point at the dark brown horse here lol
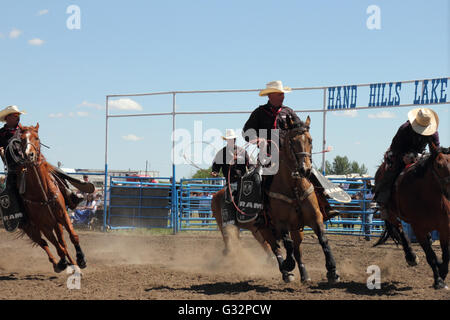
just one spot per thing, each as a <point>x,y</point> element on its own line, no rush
<point>44,203</point>
<point>230,240</point>
<point>421,198</point>
<point>293,203</point>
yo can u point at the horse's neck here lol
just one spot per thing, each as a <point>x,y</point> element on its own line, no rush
<point>38,178</point>
<point>283,180</point>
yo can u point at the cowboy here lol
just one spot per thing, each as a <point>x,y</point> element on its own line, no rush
<point>11,115</point>
<point>411,139</point>
<point>272,117</point>
<point>234,162</point>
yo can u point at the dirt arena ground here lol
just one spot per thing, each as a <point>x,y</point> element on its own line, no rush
<point>191,266</point>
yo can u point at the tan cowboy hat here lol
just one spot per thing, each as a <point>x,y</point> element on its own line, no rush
<point>229,134</point>
<point>274,86</point>
<point>424,121</point>
<point>9,110</point>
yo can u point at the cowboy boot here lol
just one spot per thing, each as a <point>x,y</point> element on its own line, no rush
<point>72,199</point>
<point>325,208</point>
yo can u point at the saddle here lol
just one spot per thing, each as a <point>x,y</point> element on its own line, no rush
<point>250,196</point>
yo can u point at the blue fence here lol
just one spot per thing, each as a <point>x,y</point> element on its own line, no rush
<point>136,202</point>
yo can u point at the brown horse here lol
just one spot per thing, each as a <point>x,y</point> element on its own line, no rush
<point>421,198</point>
<point>229,240</point>
<point>292,203</point>
<point>44,203</point>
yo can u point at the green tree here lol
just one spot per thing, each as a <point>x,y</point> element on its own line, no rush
<point>203,173</point>
<point>342,165</point>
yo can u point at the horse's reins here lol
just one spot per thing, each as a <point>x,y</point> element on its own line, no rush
<point>35,163</point>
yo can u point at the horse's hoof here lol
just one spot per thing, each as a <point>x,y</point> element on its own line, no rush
<point>288,265</point>
<point>81,261</point>
<point>288,277</point>
<point>333,278</point>
<point>306,281</point>
<point>413,262</point>
<point>440,284</point>
<point>60,267</point>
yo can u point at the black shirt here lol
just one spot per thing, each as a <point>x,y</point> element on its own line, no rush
<point>224,160</point>
<point>407,140</point>
<point>6,134</point>
<point>268,117</point>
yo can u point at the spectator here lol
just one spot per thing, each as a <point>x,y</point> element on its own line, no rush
<point>370,209</point>
<point>83,214</point>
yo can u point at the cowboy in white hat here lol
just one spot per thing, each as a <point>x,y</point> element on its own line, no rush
<point>272,117</point>
<point>11,115</point>
<point>411,139</point>
<point>234,162</point>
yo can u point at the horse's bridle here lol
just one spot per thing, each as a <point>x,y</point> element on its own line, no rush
<point>300,156</point>
<point>443,181</point>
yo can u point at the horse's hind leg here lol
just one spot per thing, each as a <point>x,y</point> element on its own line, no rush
<point>267,234</point>
<point>431,259</point>
<point>62,251</point>
<point>443,267</point>
<point>60,235</point>
<point>35,236</point>
<point>297,237</point>
<point>410,256</point>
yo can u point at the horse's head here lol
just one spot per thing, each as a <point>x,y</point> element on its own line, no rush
<point>30,144</point>
<point>441,168</point>
<point>300,145</point>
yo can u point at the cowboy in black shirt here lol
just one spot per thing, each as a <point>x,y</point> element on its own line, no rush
<point>411,139</point>
<point>272,118</point>
<point>234,162</point>
<point>11,115</point>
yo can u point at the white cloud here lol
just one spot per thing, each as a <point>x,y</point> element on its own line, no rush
<point>346,113</point>
<point>56,115</point>
<point>82,113</point>
<point>15,33</point>
<point>42,12</point>
<point>91,105</point>
<point>36,42</point>
<point>381,115</point>
<point>132,137</point>
<point>2,35</point>
<point>124,104</point>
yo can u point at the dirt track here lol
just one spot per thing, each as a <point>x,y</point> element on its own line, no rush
<point>191,266</point>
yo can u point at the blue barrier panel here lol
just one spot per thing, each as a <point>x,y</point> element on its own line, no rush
<point>357,217</point>
<point>134,202</point>
<point>194,203</point>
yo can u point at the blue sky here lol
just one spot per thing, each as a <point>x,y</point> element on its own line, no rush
<point>61,76</point>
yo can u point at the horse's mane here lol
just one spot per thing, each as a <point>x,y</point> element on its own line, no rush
<point>419,168</point>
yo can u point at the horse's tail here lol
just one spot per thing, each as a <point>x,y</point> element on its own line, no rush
<point>390,230</point>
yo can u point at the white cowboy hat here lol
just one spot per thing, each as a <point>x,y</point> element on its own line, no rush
<point>9,110</point>
<point>424,121</point>
<point>229,134</point>
<point>274,86</point>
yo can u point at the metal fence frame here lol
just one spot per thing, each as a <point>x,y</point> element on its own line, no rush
<point>324,110</point>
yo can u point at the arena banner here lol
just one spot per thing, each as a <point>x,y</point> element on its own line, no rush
<point>388,94</point>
